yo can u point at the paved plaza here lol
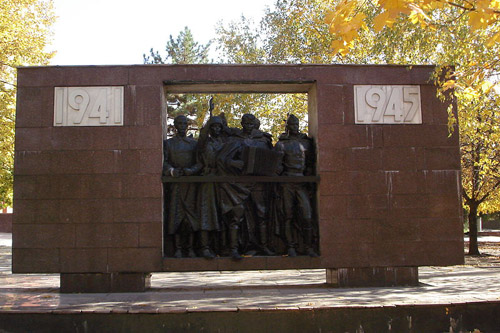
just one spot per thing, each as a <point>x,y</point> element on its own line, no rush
<point>249,290</point>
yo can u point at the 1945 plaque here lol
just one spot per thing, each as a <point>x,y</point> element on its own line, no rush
<point>377,104</point>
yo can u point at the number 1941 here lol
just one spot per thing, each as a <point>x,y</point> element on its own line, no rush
<point>88,106</point>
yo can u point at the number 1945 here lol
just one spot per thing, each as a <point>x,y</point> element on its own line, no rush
<point>377,104</point>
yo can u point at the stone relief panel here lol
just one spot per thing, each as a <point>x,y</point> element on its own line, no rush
<point>378,104</point>
<point>88,106</point>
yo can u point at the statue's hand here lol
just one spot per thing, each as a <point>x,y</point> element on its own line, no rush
<point>280,169</point>
<point>176,172</point>
<point>188,171</point>
<point>238,164</point>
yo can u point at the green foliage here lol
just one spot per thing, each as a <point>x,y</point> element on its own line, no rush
<point>194,106</point>
<point>182,50</point>
<point>290,32</point>
<point>270,109</point>
<point>24,34</point>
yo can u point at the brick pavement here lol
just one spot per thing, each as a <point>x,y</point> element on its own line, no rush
<point>240,291</point>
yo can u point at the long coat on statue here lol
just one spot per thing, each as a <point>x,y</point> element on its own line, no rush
<point>180,152</point>
<point>295,198</point>
<point>208,193</point>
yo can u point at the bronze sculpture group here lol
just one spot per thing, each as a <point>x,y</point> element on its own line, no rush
<point>243,217</point>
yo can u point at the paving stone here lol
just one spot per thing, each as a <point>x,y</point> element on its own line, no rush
<point>244,291</point>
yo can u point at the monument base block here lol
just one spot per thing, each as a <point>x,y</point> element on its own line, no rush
<point>372,276</point>
<point>104,282</point>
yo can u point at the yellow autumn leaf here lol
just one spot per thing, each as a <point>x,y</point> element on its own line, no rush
<point>380,21</point>
<point>393,4</point>
<point>482,4</point>
<point>418,10</point>
<point>350,35</point>
<point>493,39</point>
<point>450,84</point>
<point>477,20</point>
<point>486,86</point>
<point>336,44</point>
<point>345,8</point>
<point>414,17</point>
<point>330,15</point>
<point>358,20</point>
<point>470,93</point>
<point>436,5</point>
<point>342,30</point>
<point>344,51</point>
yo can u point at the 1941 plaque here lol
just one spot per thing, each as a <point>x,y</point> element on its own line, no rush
<point>88,106</point>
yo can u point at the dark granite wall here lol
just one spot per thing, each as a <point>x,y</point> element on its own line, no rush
<point>6,222</point>
<point>89,199</point>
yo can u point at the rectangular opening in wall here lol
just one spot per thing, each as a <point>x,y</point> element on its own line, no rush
<point>271,110</point>
<point>227,180</point>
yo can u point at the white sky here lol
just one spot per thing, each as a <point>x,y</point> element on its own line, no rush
<point>119,32</point>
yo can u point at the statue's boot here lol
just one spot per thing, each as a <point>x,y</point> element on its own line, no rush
<point>178,246</point>
<point>289,239</point>
<point>191,253</point>
<point>233,243</point>
<point>308,238</point>
<point>205,249</point>
<point>263,241</point>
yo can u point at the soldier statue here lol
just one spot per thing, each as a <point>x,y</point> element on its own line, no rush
<point>298,161</point>
<point>180,160</point>
<point>210,143</point>
<point>241,200</point>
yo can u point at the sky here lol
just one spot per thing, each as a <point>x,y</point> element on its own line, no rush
<point>119,32</point>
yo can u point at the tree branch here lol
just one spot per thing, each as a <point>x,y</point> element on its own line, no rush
<point>472,8</point>
<point>489,192</point>
<point>5,64</point>
<point>464,194</point>
<point>11,84</point>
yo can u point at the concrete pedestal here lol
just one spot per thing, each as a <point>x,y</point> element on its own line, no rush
<point>105,282</point>
<point>372,276</point>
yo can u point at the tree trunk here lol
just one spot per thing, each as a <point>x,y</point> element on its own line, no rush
<point>473,247</point>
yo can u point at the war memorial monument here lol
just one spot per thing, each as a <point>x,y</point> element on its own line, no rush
<point>104,198</point>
